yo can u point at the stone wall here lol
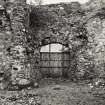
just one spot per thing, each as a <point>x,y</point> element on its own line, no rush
<point>59,23</point>
<point>96,29</point>
<point>5,41</point>
<point>13,40</point>
<point>24,29</point>
<point>81,29</point>
<point>20,65</point>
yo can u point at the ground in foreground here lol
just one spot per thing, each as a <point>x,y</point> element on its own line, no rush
<point>55,92</point>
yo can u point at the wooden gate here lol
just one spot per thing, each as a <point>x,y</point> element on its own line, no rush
<point>54,64</point>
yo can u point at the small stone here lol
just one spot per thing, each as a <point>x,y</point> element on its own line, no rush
<point>56,87</point>
<point>2,87</point>
<point>24,82</point>
<point>29,88</point>
<point>91,85</point>
<point>1,79</point>
<point>36,85</point>
<point>24,30</point>
<point>8,32</point>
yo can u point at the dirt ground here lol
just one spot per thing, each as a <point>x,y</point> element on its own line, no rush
<point>55,92</point>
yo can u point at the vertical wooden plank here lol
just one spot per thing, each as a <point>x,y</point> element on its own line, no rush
<point>49,58</point>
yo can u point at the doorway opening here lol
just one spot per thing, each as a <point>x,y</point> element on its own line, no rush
<point>55,60</point>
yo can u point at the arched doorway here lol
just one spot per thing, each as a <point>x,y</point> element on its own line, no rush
<point>55,60</point>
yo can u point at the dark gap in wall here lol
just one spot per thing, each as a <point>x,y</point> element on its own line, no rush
<point>0,22</point>
<point>82,37</point>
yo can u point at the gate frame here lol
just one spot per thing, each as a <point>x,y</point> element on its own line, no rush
<point>62,71</point>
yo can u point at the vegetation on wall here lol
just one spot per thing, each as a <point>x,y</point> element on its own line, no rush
<point>71,24</point>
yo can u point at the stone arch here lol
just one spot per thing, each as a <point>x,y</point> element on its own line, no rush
<point>35,73</point>
<point>50,39</point>
<point>46,35</point>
